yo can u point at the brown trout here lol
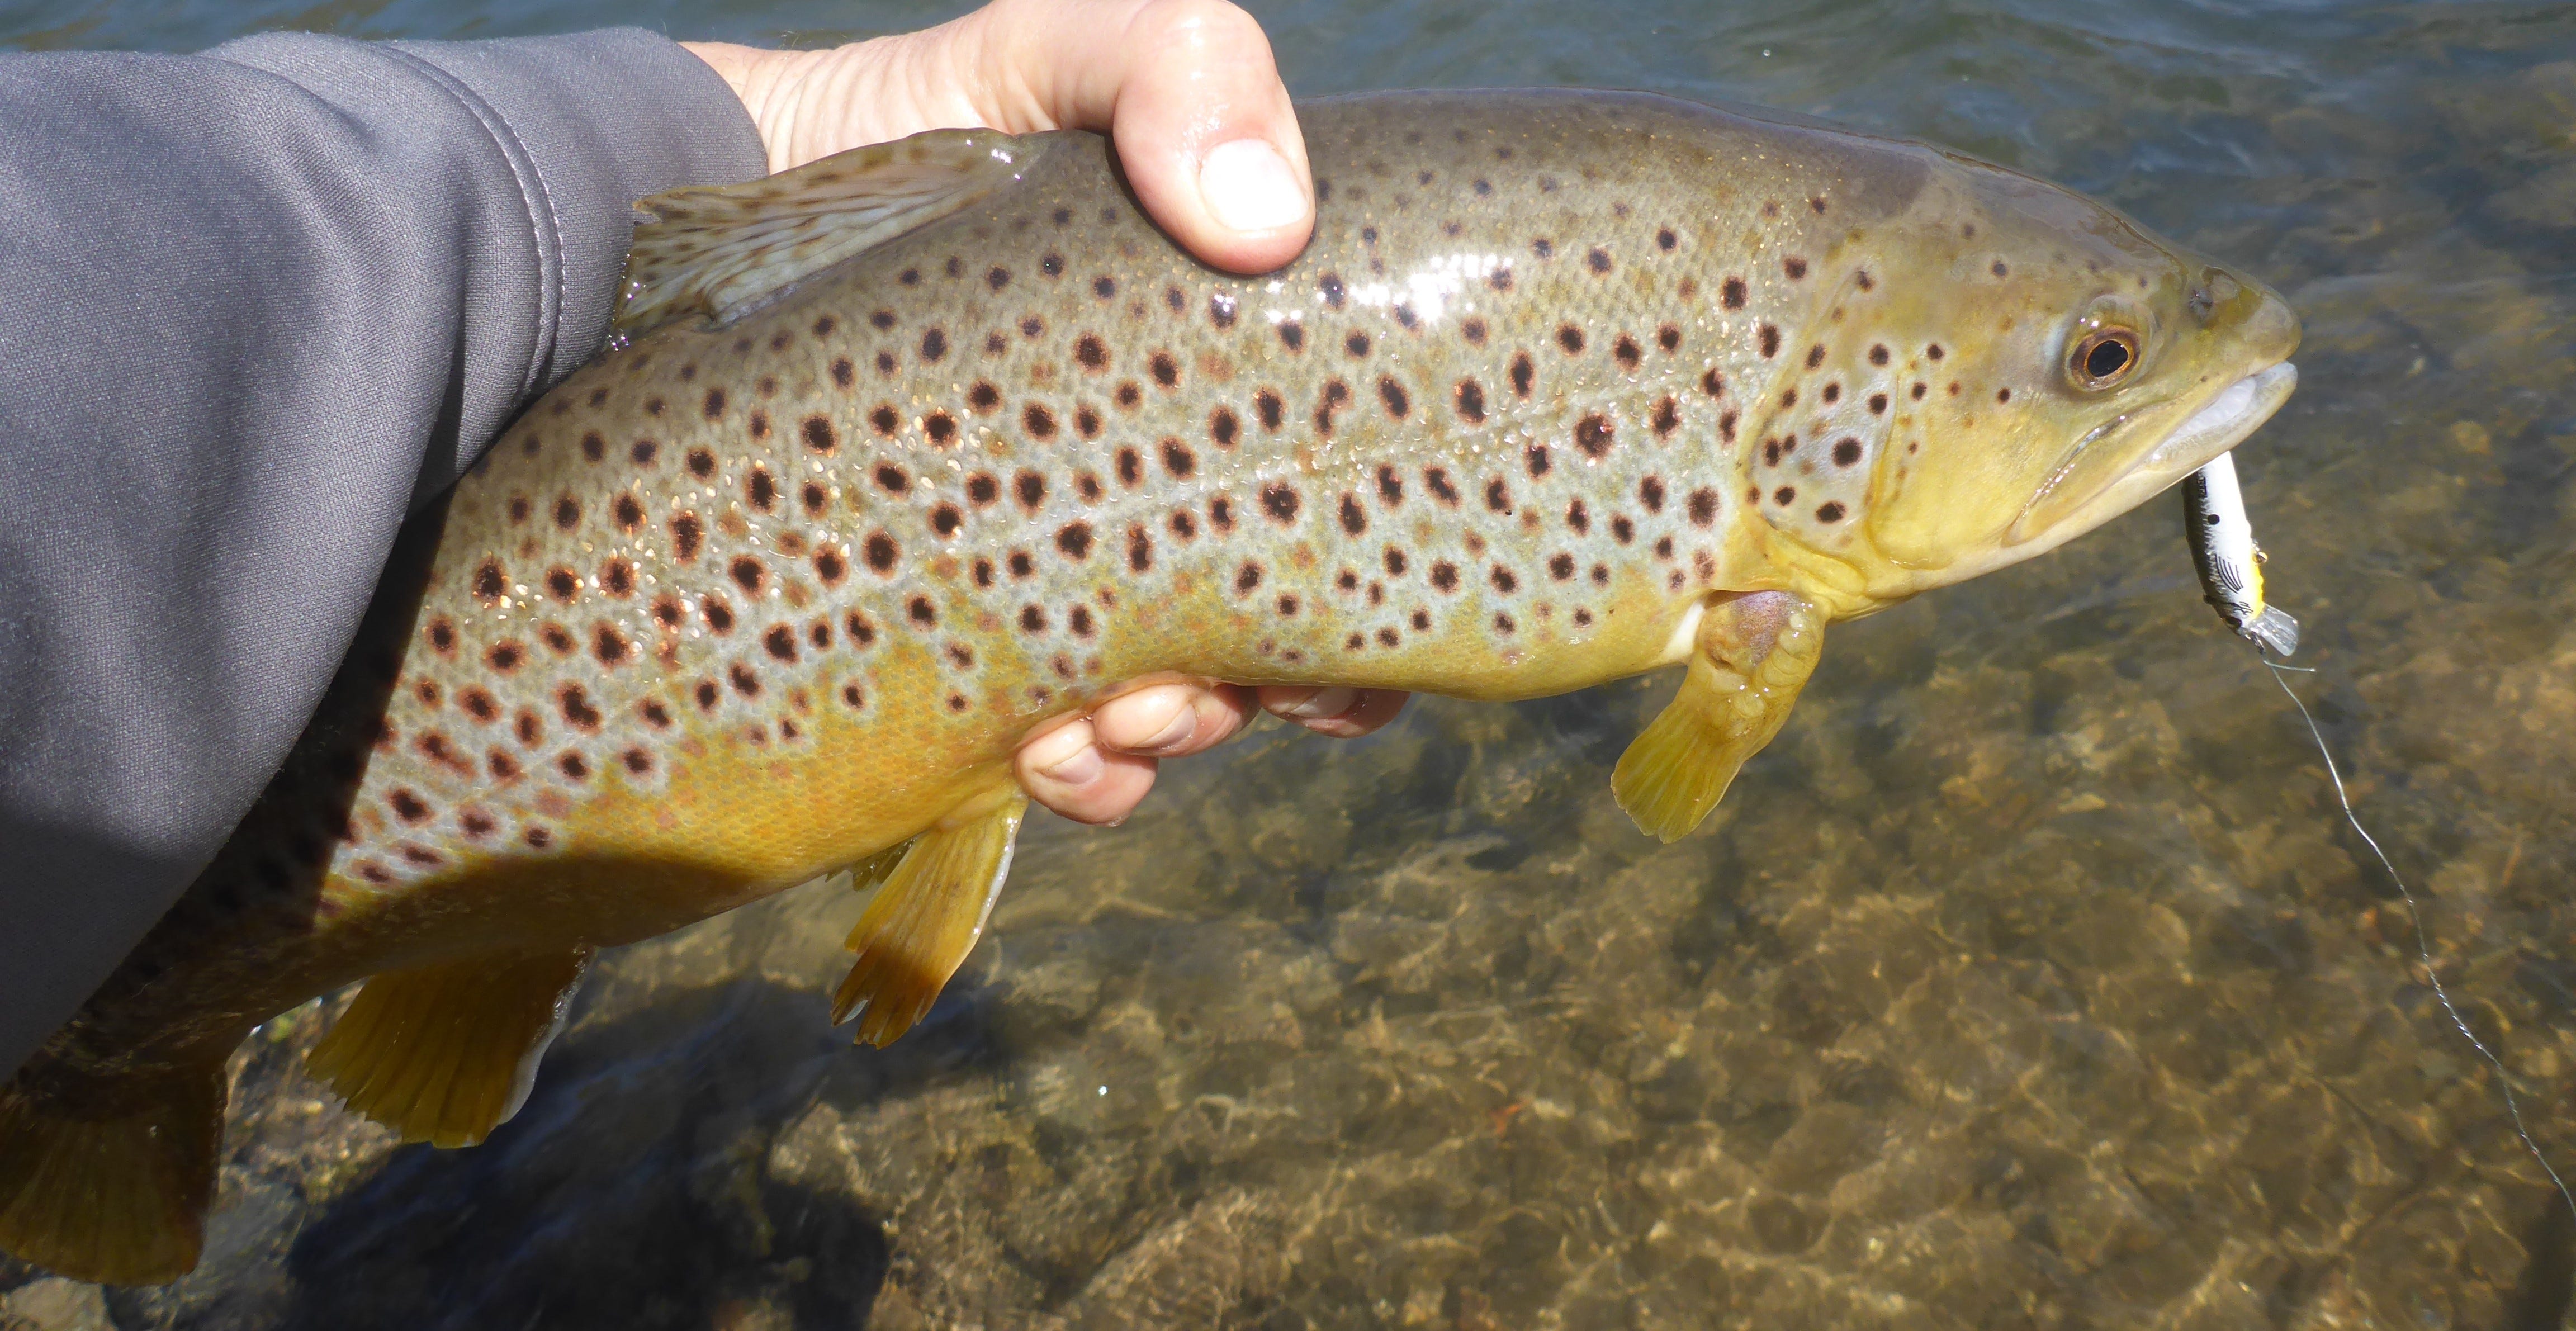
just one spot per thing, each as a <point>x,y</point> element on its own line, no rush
<point>919,446</point>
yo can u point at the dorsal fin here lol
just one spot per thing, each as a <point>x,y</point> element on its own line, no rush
<point>718,251</point>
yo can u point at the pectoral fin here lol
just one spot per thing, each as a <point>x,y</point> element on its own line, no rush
<point>926,917</point>
<point>1754,655</point>
<point>445,1053</point>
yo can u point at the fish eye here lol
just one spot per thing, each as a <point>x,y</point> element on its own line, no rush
<point>2103,359</point>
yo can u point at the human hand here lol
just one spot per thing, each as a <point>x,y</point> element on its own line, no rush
<point>1187,91</point>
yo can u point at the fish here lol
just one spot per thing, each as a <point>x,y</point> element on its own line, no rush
<point>2229,562</point>
<point>905,452</point>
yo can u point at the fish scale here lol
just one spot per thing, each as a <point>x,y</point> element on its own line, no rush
<point>919,447</point>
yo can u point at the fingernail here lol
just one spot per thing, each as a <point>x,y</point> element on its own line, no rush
<point>1321,703</point>
<point>1074,768</point>
<point>1250,187</point>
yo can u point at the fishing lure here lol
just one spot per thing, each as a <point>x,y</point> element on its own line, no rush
<point>2231,578</point>
<point>2230,563</point>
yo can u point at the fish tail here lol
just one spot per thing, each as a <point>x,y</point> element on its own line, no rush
<point>106,1177</point>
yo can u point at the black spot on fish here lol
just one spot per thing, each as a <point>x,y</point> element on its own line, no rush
<point>1536,457</point>
<point>1831,511</point>
<point>1074,539</point>
<point>1770,334</point>
<point>1292,335</point>
<point>1392,394</point>
<point>934,344</point>
<point>1571,338</point>
<point>880,552</point>
<point>1523,374</point>
<point>1280,502</point>
<point>1593,434</point>
<point>1731,293</point>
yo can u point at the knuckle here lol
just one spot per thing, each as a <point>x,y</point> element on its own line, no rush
<point>1203,26</point>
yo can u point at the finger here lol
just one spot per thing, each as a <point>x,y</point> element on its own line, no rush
<point>1188,91</point>
<point>1342,713</point>
<point>1171,720</point>
<point>1066,770</point>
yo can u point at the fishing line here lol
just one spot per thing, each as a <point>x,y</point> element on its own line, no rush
<point>2415,915</point>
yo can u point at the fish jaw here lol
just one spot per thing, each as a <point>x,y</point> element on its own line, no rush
<point>2225,420</point>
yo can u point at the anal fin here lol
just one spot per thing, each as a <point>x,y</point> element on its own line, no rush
<point>1754,654</point>
<point>107,1179</point>
<point>926,917</point>
<point>444,1054</point>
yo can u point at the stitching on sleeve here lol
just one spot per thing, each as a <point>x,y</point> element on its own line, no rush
<point>545,225</point>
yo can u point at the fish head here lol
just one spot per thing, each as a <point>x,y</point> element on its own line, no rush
<point>2009,365</point>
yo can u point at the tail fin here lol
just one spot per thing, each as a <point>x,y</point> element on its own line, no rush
<point>111,1188</point>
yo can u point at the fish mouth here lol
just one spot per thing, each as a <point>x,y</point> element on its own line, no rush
<point>2057,513</point>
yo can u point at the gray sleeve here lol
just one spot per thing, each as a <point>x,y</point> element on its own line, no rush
<point>254,305</point>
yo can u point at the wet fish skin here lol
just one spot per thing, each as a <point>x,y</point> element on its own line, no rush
<point>1564,381</point>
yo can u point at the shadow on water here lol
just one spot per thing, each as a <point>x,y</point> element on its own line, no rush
<point>616,1197</point>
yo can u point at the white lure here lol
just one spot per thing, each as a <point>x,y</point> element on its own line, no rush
<point>2231,565</point>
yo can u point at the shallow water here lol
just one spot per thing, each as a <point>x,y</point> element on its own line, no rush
<point>2029,979</point>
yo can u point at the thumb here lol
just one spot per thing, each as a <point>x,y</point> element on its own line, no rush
<point>1188,92</point>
